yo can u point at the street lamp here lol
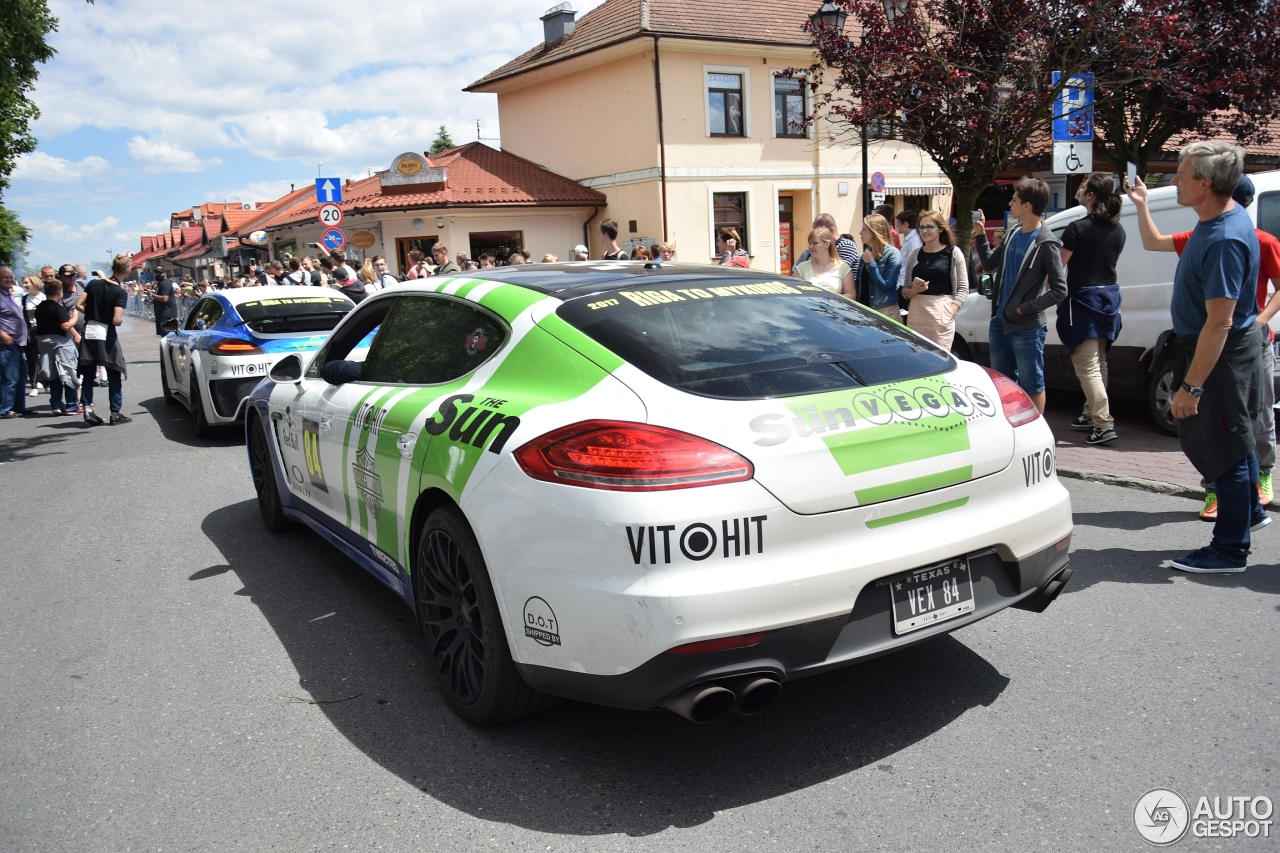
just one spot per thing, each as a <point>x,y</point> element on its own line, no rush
<point>829,15</point>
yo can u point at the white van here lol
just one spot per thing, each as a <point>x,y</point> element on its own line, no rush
<point>1146,288</point>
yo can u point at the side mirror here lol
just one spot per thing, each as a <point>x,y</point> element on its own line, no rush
<point>287,369</point>
<point>170,325</point>
<point>985,285</point>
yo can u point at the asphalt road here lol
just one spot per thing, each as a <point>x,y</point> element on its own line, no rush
<point>176,678</point>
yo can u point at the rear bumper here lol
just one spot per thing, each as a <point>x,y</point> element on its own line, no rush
<point>814,647</point>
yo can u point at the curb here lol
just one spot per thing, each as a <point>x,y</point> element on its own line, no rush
<point>1172,489</point>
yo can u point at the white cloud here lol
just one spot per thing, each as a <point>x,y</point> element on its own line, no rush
<point>161,156</point>
<point>249,193</point>
<point>351,84</point>
<point>64,233</point>
<point>38,166</point>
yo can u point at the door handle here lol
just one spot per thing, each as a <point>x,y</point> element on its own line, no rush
<point>406,443</point>
<point>326,424</point>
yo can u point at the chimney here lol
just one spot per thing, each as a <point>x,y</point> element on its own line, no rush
<point>557,22</point>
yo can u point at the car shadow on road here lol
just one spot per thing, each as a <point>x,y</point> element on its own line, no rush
<point>1125,565</point>
<point>1126,519</point>
<point>576,769</point>
<point>175,424</point>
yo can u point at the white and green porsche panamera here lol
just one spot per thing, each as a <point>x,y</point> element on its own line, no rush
<point>646,486</point>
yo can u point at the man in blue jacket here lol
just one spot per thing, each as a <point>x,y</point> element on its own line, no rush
<point>1028,280</point>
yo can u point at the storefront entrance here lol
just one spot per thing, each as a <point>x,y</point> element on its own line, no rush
<point>405,245</point>
<point>786,233</point>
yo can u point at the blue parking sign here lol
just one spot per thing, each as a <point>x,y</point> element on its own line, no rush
<point>1073,109</point>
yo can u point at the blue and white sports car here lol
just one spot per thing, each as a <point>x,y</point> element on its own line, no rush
<point>230,340</point>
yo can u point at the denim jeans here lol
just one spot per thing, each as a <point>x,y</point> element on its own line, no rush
<point>55,395</point>
<point>114,393</point>
<point>1237,506</point>
<point>13,379</point>
<point>1019,355</point>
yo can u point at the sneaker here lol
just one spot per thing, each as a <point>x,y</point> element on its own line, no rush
<point>92,419</point>
<point>118,418</point>
<point>10,415</point>
<point>1210,511</point>
<point>33,393</point>
<point>1206,561</point>
<point>1260,522</point>
<point>1082,422</point>
<point>1265,493</point>
<point>1101,436</point>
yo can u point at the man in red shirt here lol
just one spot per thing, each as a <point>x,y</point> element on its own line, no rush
<point>1268,276</point>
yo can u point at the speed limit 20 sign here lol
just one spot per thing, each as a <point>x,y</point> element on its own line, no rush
<point>330,215</point>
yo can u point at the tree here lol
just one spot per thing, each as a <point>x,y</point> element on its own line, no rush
<point>966,81</point>
<point>442,142</point>
<point>1206,67</point>
<point>13,239</point>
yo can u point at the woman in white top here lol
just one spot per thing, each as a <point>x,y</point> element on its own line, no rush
<point>824,267</point>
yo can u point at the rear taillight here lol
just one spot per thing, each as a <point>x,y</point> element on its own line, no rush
<point>235,347</point>
<point>629,457</point>
<point>741,641</point>
<point>1018,408</point>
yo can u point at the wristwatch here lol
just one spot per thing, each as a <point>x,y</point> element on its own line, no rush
<point>1194,390</point>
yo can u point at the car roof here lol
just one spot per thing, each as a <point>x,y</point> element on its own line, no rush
<point>579,278</point>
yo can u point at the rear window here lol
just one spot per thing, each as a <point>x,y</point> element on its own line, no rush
<point>317,312</point>
<point>752,341</point>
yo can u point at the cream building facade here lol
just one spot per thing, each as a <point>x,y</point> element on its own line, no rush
<point>678,113</point>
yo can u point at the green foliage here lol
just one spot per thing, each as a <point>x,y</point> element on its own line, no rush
<point>442,142</point>
<point>24,26</point>
<point>13,239</point>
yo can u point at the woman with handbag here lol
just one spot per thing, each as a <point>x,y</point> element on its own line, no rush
<point>939,276</point>
<point>103,304</point>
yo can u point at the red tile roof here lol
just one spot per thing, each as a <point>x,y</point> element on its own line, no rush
<point>234,219</point>
<point>263,217</point>
<point>212,227</point>
<point>192,234</point>
<point>477,176</point>
<point>773,22</point>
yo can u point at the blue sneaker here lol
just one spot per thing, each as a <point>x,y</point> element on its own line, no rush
<point>1206,561</point>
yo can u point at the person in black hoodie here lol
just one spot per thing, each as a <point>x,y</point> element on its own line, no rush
<point>353,289</point>
<point>1028,280</point>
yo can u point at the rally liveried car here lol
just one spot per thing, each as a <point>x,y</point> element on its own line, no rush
<point>646,486</point>
<point>230,340</point>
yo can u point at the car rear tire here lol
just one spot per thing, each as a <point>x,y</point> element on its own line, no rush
<point>199,422</point>
<point>462,625</point>
<point>264,479</point>
<point>1160,402</point>
<point>164,381</point>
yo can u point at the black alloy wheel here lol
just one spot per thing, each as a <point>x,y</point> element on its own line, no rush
<point>1160,393</point>
<point>264,478</point>
<point>199,422</point>
<point>460,621</point>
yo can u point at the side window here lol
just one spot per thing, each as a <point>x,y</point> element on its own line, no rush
<point>207,312</point>
<point>481,337</point>
<point>352,341</point>
<point>1269,213</point>
<point>788,107</point>
<point>431,339</point>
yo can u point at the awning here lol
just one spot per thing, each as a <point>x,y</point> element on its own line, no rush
<point>915,186</point>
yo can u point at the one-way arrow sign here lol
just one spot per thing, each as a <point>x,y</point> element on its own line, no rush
<point>329,190</point>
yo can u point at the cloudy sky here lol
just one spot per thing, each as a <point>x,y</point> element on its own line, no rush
<point>150,106</point>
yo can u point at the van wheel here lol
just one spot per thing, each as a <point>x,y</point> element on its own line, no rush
<point>462,625</point>
<point>1160,392</point>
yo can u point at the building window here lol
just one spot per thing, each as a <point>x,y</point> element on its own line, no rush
<point>730,211</point>
<point>788,107</point>
<point>724,102</point>
<point>405,245</point>
<point>500,244</point>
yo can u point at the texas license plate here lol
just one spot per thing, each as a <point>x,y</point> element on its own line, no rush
<point>931,595</point>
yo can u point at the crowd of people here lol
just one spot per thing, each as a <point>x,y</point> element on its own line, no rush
<point>58,335</point>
